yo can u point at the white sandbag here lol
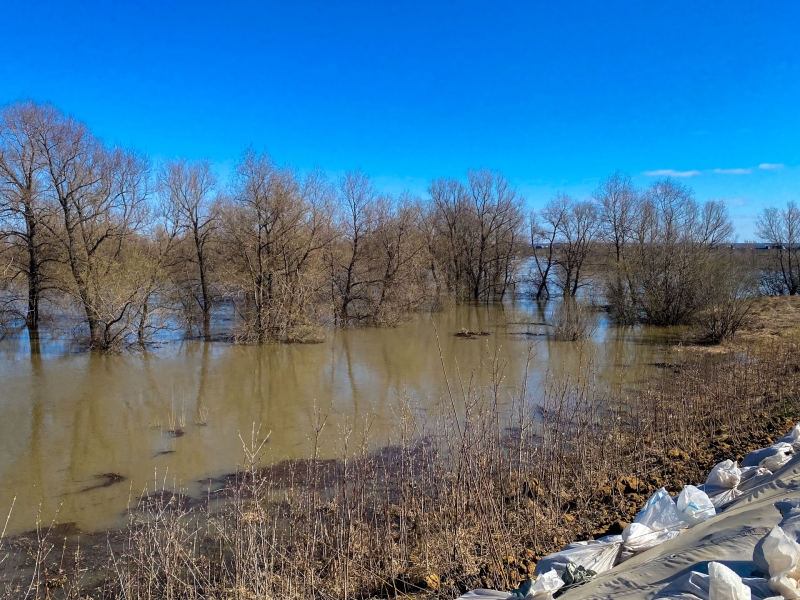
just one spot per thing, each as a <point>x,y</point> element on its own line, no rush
<point>637,538</point>
<point>724,497</point>
<point>754,458</point>
<point>778,542</point>
<point>780,554</point>
<point>727,482</point>
<point>793,437</point>
<point>778,452</point>
<point>725,475</point>
<point>694,506</point>
<point>660,512</point>
<point>542,588</point>
<point>545,585</point>
<point>595,555</point>
<point>782,455</point>
<point>753,476</point>
<point>656,523</point>
<point>724,584</point>
<point>785,586</point>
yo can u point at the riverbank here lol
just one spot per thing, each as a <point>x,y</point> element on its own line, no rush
<point>771,319</point>
<point>470,497</point>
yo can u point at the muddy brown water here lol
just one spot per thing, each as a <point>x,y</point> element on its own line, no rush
<point>82,436</point>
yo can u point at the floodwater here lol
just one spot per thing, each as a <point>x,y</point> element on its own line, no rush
<point>67,418</point>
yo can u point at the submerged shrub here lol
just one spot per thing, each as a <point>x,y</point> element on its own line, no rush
<point>573,320</point>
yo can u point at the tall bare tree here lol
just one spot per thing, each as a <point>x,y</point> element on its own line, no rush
<point>24,202</point>
<point>545,226</point>
<point>577,229</point>
<point>618,201</point>
<point>494,213</point>
<point>191,188</point>
<point>351,273</point>
<point>449,217</point>
<point>278,228</point>
<point>99,194</point>
<point>397,249</point>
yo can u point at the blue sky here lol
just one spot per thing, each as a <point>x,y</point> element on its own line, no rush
<point>556,95</point>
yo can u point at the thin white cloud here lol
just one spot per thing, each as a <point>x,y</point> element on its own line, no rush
<point>735,202</point>
<point>733,171</point>
<point>771,166</point>
<point>671,173</point>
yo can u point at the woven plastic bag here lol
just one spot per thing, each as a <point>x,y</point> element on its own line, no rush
<point>694,506</point>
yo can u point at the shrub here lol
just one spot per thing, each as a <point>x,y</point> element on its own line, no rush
<point>573,320</point>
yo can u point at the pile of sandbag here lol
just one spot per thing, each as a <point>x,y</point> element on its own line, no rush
<point>663,518</point>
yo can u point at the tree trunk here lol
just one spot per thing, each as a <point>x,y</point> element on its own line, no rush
<point>34,273</point>
<point>206,304</point>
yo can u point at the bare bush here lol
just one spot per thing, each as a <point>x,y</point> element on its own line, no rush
<point>731,290</point>
<point>573,321</point>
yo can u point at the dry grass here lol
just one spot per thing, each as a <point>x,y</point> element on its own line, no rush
<point>471,497</point>
<point>772,319</point>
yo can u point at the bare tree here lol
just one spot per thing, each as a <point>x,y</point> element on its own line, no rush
<point>24,202</point>
<point>155,251</point>
<point>99,194</point>
<point>577,236</point>
<point>781,229</point>
<point>494,213</point>
<point>351,275</point>
<point>674,238</point>
<point>617,203</point>
<point>544,229</point>
<point>191,189</point>
<point>617,200</point>
<point>397,248</point>
<point>277,229</point>
<point>449,219</point>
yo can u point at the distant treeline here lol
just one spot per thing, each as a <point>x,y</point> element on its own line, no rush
<point>133,246</point>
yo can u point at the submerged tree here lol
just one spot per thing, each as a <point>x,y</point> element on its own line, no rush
<point>99,194</point>
<point>618,203</point>
<point>781,229</point>
<point>27,246</point>
<point>277,228</point>
<point>447,217</point>
<point>190,188</point>
<point>544,229</point>
<point>494,224</point>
